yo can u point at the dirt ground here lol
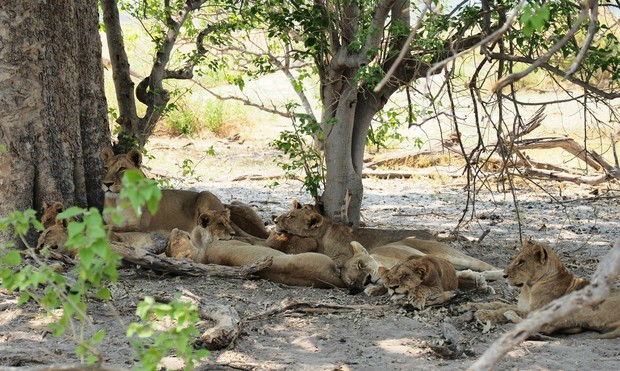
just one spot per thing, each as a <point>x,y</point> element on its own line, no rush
<point>580,222</point>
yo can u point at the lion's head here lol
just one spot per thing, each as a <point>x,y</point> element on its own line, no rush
<point>403,281</point>
<point>50,212</point>
<point>54,238</point>
<point>360,270</point>
<point>303,222</point>
<point>115,167</point>
<point>531,264</point>
<point>212,225</point>
<point>405,277</point>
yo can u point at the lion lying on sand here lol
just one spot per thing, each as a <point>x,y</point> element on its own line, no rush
<point>415,279</point>
<point>542,278</point>
<point>177,208</point>
<point>210,243</point>
<point>362,270</point>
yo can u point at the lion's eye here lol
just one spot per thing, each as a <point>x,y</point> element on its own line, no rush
<point>520,262</point>
<point>360,265</point>
<point>122,169</point>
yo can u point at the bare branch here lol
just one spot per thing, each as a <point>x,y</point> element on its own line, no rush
<point>513,77</point>
<point>404,50</point>
<point>592,5</point>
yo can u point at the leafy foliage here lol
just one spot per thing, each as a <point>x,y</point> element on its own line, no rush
<point>52,290</point>
<point>302,156</point>
<point>152,345</point>
<point>65,296</point>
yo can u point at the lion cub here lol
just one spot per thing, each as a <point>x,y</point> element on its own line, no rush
<point>542,277</point>
<point>415,279</point>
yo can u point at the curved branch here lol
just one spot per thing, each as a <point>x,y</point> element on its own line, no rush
<point>557,71</point>
<point>513,77</point>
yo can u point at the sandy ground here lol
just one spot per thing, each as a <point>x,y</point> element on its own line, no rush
<point>580,222</point>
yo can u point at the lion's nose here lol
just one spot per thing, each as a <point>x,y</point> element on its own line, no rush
<point>505,275</point>
<point>108,184</point>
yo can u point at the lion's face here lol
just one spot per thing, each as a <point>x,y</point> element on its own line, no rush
<point>54,239</point>
<point>360,270</point>
<point>301,222</point>
<point>215,225</point>
<point>50,212</point>
<point>115,167</point>
<point>530,265</point>
<point>404,278</point>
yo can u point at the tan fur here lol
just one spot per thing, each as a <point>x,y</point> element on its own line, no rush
<point>177,208</point>
<point>305,269</point>
<point>414,280</point>
<point>54,239</point>
<point>50,212</point>
<point>291,244</point>
<point>542,277</point>
<point>362,268</point>
<point>333,238</point>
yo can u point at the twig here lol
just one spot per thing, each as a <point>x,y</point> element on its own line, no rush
<point>404,49</point>
<point>591,295</point>
<point>289,304</point>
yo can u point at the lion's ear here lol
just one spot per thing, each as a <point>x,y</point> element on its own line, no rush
<point>421,270</point>
<point>358,249</point>
<point>540,253</point>
<point>135,157</point>
<point>203,220</point>
<point>315,220</point>
<point>383,271</point>
<point>296,204</point>
<point>106,154</point>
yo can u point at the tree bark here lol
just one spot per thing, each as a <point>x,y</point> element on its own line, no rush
<point>53,104</point>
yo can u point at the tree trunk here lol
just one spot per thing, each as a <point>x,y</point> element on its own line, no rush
<point>53,104</point>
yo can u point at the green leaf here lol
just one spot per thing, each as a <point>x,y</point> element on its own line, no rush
<point>98,336</point>
<point>71,212</point>
<point>13,258</point>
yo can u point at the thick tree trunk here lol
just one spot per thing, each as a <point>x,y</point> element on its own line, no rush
<point>52,103</point>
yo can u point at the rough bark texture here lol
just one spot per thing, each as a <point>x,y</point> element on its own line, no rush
<point>53,104</point>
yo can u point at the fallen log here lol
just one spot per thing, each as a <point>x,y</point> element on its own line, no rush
<point>291,305</point>
<point>185,267</point>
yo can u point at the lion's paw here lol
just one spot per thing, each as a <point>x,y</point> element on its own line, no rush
<point>375,290</point>
<point>512,316</point>
<point>493,316</point>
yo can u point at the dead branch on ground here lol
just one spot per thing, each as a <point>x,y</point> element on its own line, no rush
<point>290,305</point>
<point>184,267</point>
<point>591,295</point>
<point>226,318</point>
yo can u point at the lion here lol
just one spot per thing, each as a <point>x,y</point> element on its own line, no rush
<point>414,280</point>
<point>542,278</point>
<point>333,238</point>
<point>50,212</point>
<point>361,271</point>
<point>305,269</point>
<point>177,208</point>
<point>54,239</point>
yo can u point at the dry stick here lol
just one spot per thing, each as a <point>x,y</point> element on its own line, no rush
<point>289,304</point>
<point>149,260</point>
<point>591,295</point>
